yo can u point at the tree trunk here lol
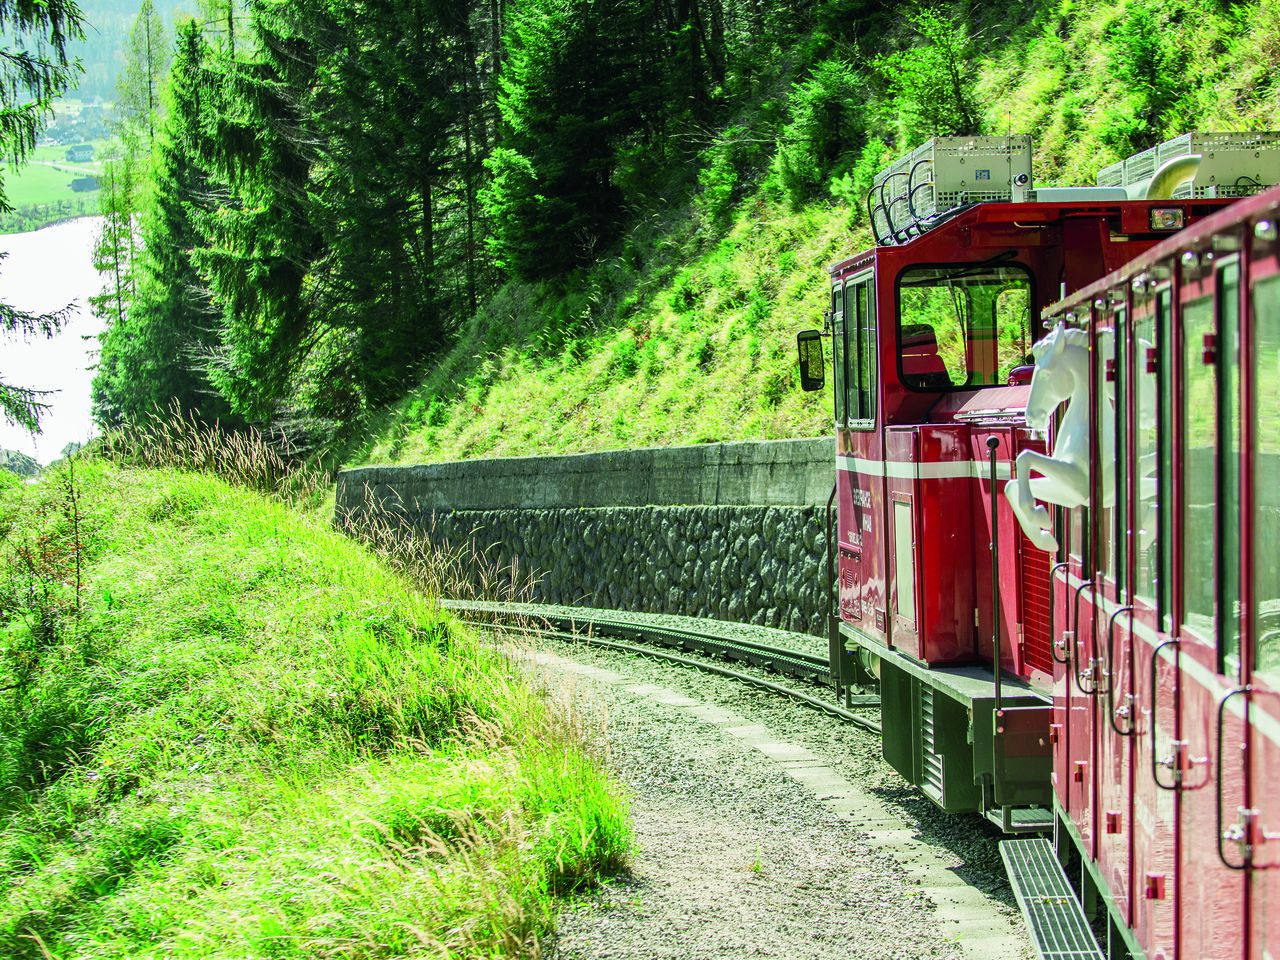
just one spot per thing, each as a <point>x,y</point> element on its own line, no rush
<point>151,80</point>
<point>687,24</point>
<point>469,184</point>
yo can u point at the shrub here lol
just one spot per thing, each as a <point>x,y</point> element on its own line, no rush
<point>930,83</point>
<point>1145,57</point>
<point>625,357</point>
<point>827,116</point>
<point>851,187</point>
<point>723,174</point>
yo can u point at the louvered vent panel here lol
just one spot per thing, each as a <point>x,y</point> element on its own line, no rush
<point>932,763</point>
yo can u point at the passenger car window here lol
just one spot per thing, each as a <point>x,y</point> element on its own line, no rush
<point>1148,494</point>
<point>1266,510</point>
<point>1164,444</point>
<point>1199,453</point>
<point>1119,390</point>
<point>1230,428</point>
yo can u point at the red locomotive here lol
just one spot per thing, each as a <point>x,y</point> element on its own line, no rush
<point>1127,581</point>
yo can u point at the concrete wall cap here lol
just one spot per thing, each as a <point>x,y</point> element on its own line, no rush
<point>759,473</point>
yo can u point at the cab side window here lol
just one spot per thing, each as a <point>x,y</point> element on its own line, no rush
<point>867,354</point>
<point>838,354</point>
<point>860,326</point>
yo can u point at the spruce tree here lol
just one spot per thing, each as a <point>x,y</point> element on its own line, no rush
<point>576,83</point>
<point>156,354</point>
<point>260,246</point>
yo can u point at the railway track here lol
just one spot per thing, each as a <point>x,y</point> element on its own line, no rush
<point>922,845</point>
<point>629,634</point>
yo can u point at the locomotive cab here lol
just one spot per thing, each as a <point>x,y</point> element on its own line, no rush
<point>931,334</point>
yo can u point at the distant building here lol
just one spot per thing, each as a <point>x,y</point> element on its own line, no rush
<point>81,153</point>
<point>84,184</point>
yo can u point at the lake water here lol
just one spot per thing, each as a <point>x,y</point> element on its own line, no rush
<point>44,271</point>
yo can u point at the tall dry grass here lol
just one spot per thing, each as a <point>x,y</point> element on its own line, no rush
<point>177,440</point>
<point>269,464</point>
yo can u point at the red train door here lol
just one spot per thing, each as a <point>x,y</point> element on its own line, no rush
<point>1155,789</point>
<point>1114,676</point>
<point>1212,895</point>
<point>860,535</point>
<point>1077,703</point>
<point>1260,338</point>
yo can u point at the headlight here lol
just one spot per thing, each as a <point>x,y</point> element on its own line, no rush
<point>1167,218</point>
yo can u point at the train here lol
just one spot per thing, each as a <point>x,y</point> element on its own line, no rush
<point>1054,533</point>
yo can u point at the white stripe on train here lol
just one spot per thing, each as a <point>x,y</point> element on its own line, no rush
<point>926,470</point>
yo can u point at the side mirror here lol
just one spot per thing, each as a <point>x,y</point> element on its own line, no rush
<point>812,365</point>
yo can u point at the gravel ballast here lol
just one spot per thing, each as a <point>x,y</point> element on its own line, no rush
<point>765,829</point>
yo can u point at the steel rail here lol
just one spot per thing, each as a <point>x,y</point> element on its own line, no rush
<point>659,654</point>
<point>793,663</point>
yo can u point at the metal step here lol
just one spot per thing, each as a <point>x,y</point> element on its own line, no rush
<point>1054,919</point>
<point>1021,819</point>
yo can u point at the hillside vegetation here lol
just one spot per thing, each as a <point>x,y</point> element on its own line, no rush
<point>226,731</point>
<point>687,336</point>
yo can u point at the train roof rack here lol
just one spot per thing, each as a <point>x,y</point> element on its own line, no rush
<point>945,175</point>
<point>942,177</point>
<point>1199,166</point>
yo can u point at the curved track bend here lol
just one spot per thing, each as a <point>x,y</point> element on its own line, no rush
<point>644,635</point>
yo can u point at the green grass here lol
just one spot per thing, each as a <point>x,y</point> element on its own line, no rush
<point>685,334</point>
<point>242,736</point>
<point>47,177</point>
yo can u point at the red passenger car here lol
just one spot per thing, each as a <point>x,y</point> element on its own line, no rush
<point>1135,715</point>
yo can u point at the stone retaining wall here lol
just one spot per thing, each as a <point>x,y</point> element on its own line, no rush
<point>733,531</point>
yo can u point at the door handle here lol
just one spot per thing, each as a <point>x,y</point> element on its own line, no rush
<point>1054,643</point>
<point>1247,833</point>
<point>1242,834</point>
<point>1174,762</point>
<point>1130,709</point>
<point>1073,669</point>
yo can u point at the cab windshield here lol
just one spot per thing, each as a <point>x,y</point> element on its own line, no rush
<point>962,325</point>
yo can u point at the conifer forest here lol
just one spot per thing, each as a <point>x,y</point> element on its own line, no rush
<point>370,223</point>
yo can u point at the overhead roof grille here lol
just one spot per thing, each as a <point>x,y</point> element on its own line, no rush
<point>1199,166</point>
<point>943,176</point>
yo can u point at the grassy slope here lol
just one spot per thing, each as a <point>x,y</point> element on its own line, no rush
<point>687,337</point>
<point>255,741</point>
